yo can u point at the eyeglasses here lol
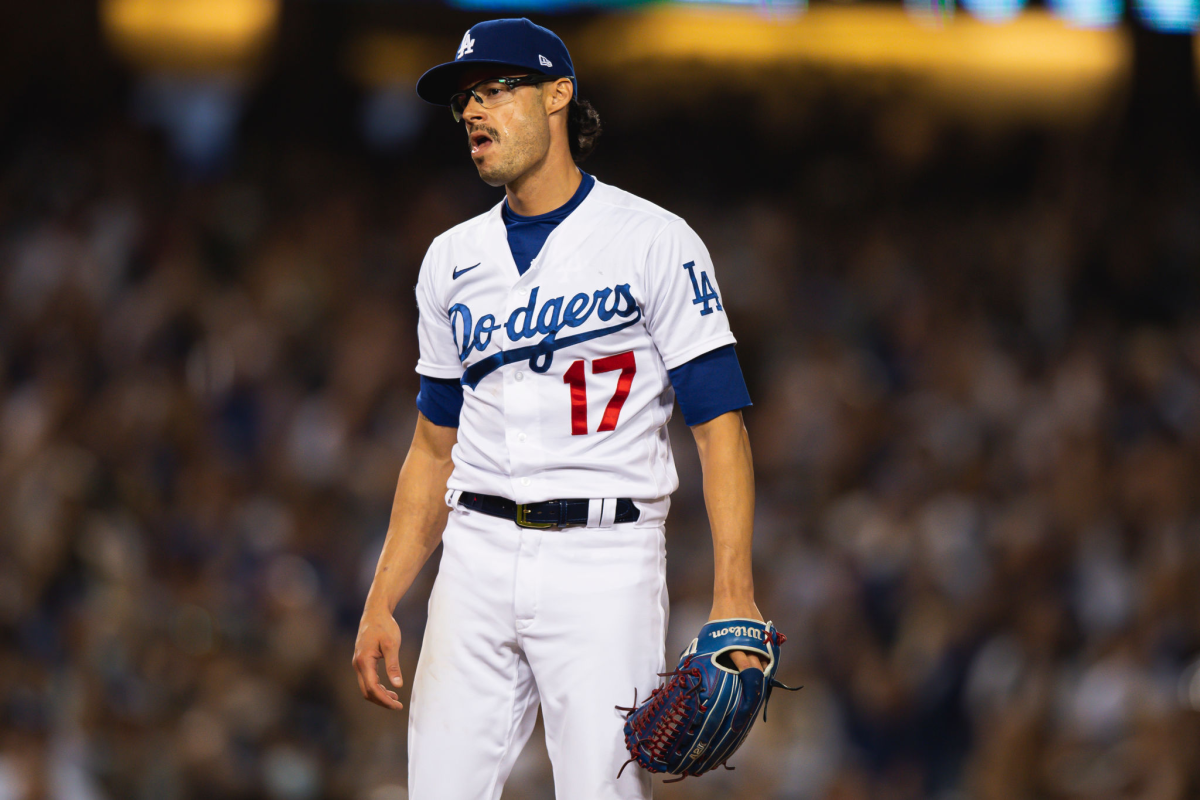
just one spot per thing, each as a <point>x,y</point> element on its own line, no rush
<point>493,92</point>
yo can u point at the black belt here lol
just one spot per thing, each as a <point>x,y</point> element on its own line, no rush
<point>549,514</point>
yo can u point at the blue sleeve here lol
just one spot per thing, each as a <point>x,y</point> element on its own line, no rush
<point>440,400</point>
<point>710,385</point>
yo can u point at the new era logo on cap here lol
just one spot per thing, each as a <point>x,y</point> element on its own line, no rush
<point>545,62</point>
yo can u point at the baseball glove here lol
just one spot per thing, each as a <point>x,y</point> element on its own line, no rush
<point>703,711</point>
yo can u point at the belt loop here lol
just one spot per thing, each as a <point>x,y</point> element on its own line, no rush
<point>452,496</point>
<point>594,508</point>
<point>608,513</point>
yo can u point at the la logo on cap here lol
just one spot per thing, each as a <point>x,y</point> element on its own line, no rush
<point>467,46</point>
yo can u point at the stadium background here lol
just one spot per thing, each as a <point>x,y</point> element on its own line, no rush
<point>959,247</point>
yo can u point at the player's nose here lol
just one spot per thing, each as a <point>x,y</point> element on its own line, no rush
<point>473,112</point>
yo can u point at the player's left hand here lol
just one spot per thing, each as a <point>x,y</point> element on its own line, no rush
<point>733,609</point>
<point>378,640</point>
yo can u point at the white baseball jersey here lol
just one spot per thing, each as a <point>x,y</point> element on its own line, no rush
<point>564,368</point>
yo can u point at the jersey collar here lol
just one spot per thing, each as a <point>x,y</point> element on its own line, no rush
<point>570,236</point>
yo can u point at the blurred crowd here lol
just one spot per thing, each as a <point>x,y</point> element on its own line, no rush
<point>975,362</point>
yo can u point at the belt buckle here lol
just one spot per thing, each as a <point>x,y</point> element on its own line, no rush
<point>523,518</point>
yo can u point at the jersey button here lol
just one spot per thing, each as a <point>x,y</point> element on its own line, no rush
<point>520,376</point>
<point>521,437</point>
<point>525,481</point>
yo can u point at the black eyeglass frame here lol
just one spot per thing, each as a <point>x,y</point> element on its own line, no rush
<point>511,83</point>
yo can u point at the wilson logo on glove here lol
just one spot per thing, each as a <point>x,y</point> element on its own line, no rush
<point>701,715</point>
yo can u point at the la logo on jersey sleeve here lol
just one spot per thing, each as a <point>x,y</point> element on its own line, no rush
<point>705,293</point>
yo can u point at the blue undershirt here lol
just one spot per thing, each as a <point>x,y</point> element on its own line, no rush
<point>709,385</point>
<point>706,387</point>
<point>526,235</point>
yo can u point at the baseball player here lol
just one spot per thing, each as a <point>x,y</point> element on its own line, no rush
<point>556,331</point>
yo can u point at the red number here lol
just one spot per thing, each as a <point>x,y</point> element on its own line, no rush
<point>625,363</point>
<point>576,380</point>
<point>575,377</point>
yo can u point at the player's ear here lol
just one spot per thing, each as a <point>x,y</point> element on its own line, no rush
<point>558,94</point>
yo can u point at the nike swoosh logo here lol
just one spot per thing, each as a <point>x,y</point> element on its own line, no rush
<point>458,271</point>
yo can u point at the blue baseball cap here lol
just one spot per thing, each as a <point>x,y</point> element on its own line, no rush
<point>499,43</point>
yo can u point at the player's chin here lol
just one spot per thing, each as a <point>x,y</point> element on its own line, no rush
<point>489,174</point>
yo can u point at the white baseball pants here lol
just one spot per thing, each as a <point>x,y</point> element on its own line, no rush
<point>572,619</point>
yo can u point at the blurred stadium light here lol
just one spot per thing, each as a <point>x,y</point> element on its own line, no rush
<point>1169,16</point>
<point>558,6</point>
<point>1088,13</point>
<point>1034,64</point>
<point>994,10</point>
<point>930,12</point>
<point>190,34</point>
<point>538,6</point>
<point>1166,16</point>
<point>766,6</point>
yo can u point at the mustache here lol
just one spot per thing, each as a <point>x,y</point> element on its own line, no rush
<point>491,132</point>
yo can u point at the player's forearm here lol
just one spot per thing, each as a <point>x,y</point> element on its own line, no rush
<point>728,468</point>
<point>418,517</point>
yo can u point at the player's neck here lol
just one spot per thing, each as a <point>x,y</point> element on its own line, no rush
<point>544,188</point>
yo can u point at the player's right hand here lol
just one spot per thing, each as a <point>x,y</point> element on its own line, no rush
<point>378,638</point>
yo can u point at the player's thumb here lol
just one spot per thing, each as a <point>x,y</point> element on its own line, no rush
<point>391,660</point>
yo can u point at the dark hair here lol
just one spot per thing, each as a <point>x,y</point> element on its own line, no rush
<point>583,128</point>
